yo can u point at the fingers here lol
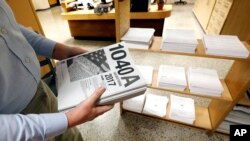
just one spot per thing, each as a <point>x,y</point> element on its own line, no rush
<point>102,109</point>
<point>97,94</point>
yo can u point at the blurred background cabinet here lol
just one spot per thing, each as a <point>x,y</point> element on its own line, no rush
<point>86,24</point>
<point>40,4</point>
<point>53,2</point>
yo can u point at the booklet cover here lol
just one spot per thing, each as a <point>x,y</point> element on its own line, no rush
<point>111,67</point>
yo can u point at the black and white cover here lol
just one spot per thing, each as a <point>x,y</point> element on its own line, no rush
<point>111,67</point>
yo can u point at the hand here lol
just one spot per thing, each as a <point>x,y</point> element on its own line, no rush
<point>87,110</point>
<point>62,51</point>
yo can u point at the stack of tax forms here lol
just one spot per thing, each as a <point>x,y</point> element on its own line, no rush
<point>172,77</point>
<point>182,109</point>
<point>156,105</point>
<point>134,104</point>
<point>240,115</point>
<point>225,45</point>
<point>204,82</point>
<point>178,40</point>
<point>139,38</point>
<point>147,73</point>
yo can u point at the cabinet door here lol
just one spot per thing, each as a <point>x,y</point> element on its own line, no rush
<point>53,2</point>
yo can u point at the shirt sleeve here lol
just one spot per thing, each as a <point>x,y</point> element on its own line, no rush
<point>19,127</point>
<point>42,46</point>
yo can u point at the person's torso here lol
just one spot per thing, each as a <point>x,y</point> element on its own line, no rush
<point>19,67</point>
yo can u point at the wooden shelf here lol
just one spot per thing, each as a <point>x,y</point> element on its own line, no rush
<point>223,132</point>
<point>236,81</point>
<point>244,101</point>
<point>224,96</point>
<point>153,13</point>
<point>202,118</point>
<point>200,51</point>
<point>88,15</point>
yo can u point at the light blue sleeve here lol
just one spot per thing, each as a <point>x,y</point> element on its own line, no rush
<point>17,127</point>
<point>42,46</point>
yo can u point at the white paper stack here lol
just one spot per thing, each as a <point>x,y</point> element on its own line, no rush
<point>135,104</point>
<point>172,77</point>
<point>156,105</point>
<point>182,109</point>
<point>140,38</point>
<point>204,81</point>
<point>147,73</point>
<point>225,126</point>
<point>179,40</point>
<point>239,115</point>
<point>225,45</point>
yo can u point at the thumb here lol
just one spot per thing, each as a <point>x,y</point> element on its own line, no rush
<point>97,94</point>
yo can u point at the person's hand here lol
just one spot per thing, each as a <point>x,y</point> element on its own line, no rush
<point>87,110</point>
<point>62,51</point>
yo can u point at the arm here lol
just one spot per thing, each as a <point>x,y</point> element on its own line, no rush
<point>32,126</point>
<point>62,51</point>
<point>46,47</point>
<point>42,46</point>
<point>46,126</point>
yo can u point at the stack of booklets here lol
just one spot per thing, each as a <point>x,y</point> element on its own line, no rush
<point>178,40</point>
<point>225,45</point>
<point>172,77</point>
<point>111,67</point>
<point>134,104</point>
<point>204,81</point>
<point>139,38</point>
<point>239,115</point>
<point>147,73</point>
<point>156,105</point>
<point>182,109</point>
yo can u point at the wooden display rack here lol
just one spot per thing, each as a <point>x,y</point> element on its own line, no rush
<point>244,101</point>
<point>235,84</point>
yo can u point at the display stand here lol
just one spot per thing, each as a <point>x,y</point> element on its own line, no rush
<point>236,82</point>
<point>235,85</point>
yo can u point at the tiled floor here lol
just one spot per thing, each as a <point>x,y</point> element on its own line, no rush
<point>132,127</point>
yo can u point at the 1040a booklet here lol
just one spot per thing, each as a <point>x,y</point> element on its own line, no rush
<point>111,67</point>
